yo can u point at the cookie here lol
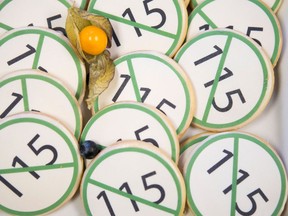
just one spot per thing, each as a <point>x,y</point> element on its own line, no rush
<point>32,90</point>
<point>46,50</point>
<point>233,78</point>
<point>44,13</point>
<point>144,25</point>
<point>133,177</point>
<point>154,79</point>
<point>132,121</point>
<point>252,18</point>
<point>231,174</point>
<point>40,167</point>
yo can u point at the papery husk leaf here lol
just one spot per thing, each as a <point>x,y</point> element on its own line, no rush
<point>101,73</point>
<point>78,19</point>
<point>74,24</point>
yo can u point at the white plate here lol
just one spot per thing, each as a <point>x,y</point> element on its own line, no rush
<point>271,125</point>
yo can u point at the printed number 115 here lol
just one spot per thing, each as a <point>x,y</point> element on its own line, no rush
<point>148,10</point>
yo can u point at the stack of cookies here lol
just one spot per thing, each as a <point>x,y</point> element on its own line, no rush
<point>180,66</point>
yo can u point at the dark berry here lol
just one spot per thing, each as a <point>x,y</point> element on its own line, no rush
<point>89,149</point>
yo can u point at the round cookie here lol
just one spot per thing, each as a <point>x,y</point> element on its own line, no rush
<point>251,17</point>
<point>273,4</point>
<point>132,121</point>
<point>144,25</point>
<point>46,50</point>
<point>44,13</point>
<point>154,79</point>
<point>235,174</point>
<point>146,182</point>
<point>40,167</point>
<point>32,90</point>
<point>232,77</point>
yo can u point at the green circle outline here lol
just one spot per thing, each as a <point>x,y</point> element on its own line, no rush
<point>49,33</point>
<point>56,84</point>
<point>180,29</point>
<point>234,135</point>
<point>154,155</point>
<point>267,11</point>
<point>135,106</point>
<point>75,163</point>
<point>188,95</point>
<point>193,142</point>
<point>255,50</point>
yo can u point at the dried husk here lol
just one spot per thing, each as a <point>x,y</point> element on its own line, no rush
<point>101,67</point>
<point>101,74</point>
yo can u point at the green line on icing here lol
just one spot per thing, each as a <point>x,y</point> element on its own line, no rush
<point>207,19</point>
<point>216,81</point>
<point>25,94</point>
<point>38,51</point>
<point>134,81</point>
<point>135,24</point>
<point>36,168</point>
<point>234,176</point>
<point>132,197</point>
<point>4,26</point>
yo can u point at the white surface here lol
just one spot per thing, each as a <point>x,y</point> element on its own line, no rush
<point>270,125</point>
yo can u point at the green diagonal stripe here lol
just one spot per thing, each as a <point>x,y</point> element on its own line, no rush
<point>234,176</point>
<point>4,26</point>
<point>216,81</point>
<point>38,51</point>
<point>134,81</point>
<point>25,94</point>
<point>207,19</point>
<point>36,168</point>
<point>135,24</point>
<point>275,5</point>
<point>131,197</point>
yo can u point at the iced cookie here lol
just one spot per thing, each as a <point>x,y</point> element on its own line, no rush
<point>46,50</point>
<point>132,120</point>
<point>131,178</point>
<point>232,77</point>
<point>44,13</point>
<point>154,79</point>
<point>40,168</point>
<point>32,90</point>
<point>144,25</point>
<point>252,18</point>
<point>235,174</point>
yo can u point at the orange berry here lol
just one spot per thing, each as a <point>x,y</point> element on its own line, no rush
<point>93,40</point>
